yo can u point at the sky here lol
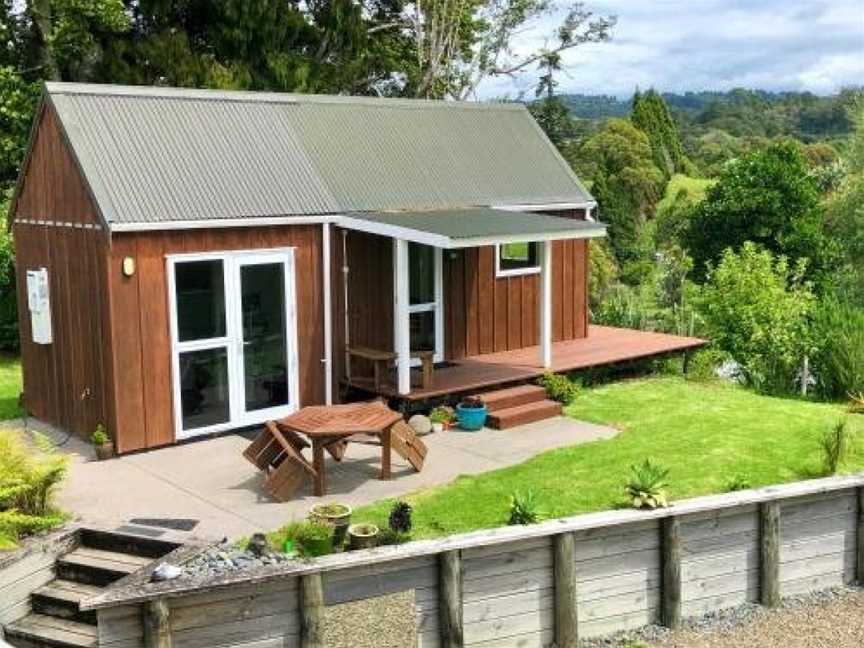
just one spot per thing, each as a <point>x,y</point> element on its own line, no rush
<point>679,45</point>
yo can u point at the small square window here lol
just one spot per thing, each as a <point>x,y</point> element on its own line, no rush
<point>518,259</point>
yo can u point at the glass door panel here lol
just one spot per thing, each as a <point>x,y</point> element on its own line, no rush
<point>200,288</point>
<point>265,348</point>
<point>204,388</point>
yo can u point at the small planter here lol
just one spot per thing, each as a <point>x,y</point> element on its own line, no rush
<point>336,515</point>
<point>362,536</point>
<point>104,451</point>
<point>437,427</point>
<point>471,415</point>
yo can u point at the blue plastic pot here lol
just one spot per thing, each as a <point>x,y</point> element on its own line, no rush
<point>471,418</point>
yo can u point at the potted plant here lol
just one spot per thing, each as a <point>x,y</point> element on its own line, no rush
<point>362,536</point>
<point>102,443</point>
<point>439,417</point>
<point>337,516</point>
<point>314,539</point>
<point>471,413</point>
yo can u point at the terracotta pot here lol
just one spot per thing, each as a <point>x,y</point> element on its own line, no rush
<point>104,450</point>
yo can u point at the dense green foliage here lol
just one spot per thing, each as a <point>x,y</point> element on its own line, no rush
<point>756,309</point>
<point>705,432</point>
<point>28,479</point>
<point>838,361</point>
<point>8,303</point>
<point>652,117</point>
<point>10,387</point>
<point>768,198</point>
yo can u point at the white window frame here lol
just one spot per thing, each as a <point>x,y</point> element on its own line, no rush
<point>436,307</point>
<point>515,272</point>
<point>232,341</point>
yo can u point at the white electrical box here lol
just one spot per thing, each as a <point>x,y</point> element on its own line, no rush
<point>39,303</point>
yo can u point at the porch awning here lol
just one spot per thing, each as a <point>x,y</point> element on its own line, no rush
<point>461,228</point>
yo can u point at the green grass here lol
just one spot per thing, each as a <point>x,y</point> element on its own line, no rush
<point>10,387</point>
<point>696,189</point>
<point>705,433</point>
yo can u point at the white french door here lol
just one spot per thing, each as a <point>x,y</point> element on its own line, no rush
<point>234,339</point>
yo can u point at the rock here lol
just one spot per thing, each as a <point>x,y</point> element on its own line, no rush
<point>164,572</point>
<point>420,424</point>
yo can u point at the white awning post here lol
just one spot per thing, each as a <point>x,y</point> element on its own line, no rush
<point>546,304</point>
<point>401,325</point>
<point>328,315</point>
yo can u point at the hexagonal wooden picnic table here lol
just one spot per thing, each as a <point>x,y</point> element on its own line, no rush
<point>328,425</point>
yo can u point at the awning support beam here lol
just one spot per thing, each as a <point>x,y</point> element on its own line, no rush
<point>546,304</point>
<point>401,323</point>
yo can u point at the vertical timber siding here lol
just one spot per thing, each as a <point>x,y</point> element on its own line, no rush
<point>140,328</point>
<point>66,382</point>
<point>506,592</point>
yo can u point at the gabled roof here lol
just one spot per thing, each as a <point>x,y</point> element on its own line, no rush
<point>156,155</point>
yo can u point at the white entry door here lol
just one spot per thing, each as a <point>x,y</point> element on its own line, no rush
<point>425,299</point>
<point>233,339</point>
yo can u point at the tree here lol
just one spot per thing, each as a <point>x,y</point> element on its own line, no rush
<point>756,308</point>
<point>766,197</point>
<point>626,184</point>
<point>459,43</point>
<point>651,116</point>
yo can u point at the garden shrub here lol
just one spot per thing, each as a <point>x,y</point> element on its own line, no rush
<point>704,364</point>
<point>523,509</point>
<point>559,387</point>
<point>835,444</point>
<point>756,310</point>
<point>27,484</point>
<point>310,538</point>
<point>8,305</point>
<point>838,362</point>
<point>647,485</point>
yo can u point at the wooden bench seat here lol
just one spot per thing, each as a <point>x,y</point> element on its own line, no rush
<point>382,361</point>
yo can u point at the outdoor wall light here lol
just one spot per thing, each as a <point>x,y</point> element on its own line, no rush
<point>128,266</point>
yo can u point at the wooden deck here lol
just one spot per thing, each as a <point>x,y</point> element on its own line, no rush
<point>604,346</point>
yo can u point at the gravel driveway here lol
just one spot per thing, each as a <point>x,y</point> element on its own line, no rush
<point>827,621</point>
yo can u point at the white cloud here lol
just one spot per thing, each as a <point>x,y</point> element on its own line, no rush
<point>678,45</point>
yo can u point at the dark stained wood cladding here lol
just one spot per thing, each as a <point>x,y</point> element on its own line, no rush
<point>66,383</point>
<point>487,314</point>
<point>53,189</point>
<point>140,319</point>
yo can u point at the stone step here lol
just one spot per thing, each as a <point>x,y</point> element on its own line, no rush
<point>42,631</point>
<point>126,543</point>
<point>62,598</point>
<point>97,566</point>
<point>522,414</point>
<point>513,397</point>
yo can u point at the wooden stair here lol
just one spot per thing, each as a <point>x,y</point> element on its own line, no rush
<point>518,405</point>
<point>56,619</point>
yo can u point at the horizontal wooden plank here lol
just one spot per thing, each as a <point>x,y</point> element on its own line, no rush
<point>504,584</point>
<point>510,605</point>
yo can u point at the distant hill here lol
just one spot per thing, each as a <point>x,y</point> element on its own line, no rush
<point>740,112</point>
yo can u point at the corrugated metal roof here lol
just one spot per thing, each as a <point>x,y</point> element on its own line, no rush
<point>464,226</point>
<point>162,154</point>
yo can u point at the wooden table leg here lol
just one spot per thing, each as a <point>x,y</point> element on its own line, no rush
<point>318,465</point>
<point>385,455</point>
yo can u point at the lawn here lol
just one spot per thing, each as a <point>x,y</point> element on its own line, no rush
<point>10,387</point>
<point>696,189</point>
<point>705,433</point>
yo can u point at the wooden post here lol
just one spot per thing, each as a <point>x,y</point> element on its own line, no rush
<point>545,303</point>
<point>670,546</point>
<point>450,592</point>
<point>769,547</point>
<point>157,624</point>
<point>566,614</point>
<point>859,571</point>
<point>311,611</point>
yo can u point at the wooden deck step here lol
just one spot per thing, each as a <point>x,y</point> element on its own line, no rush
<point>513,397</point>
<point>41,631</point>
<point>522,414</point>
<point>61,598</point>
<point>97,566</point>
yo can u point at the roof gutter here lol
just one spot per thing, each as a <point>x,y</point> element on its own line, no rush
<point>587,205</point>
<point>211,223</point>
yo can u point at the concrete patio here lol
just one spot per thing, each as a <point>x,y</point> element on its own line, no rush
<point>211,482</point>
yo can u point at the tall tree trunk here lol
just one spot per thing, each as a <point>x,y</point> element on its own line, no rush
<point>40,12</point>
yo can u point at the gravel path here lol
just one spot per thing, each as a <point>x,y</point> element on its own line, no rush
<point>828,619</point>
